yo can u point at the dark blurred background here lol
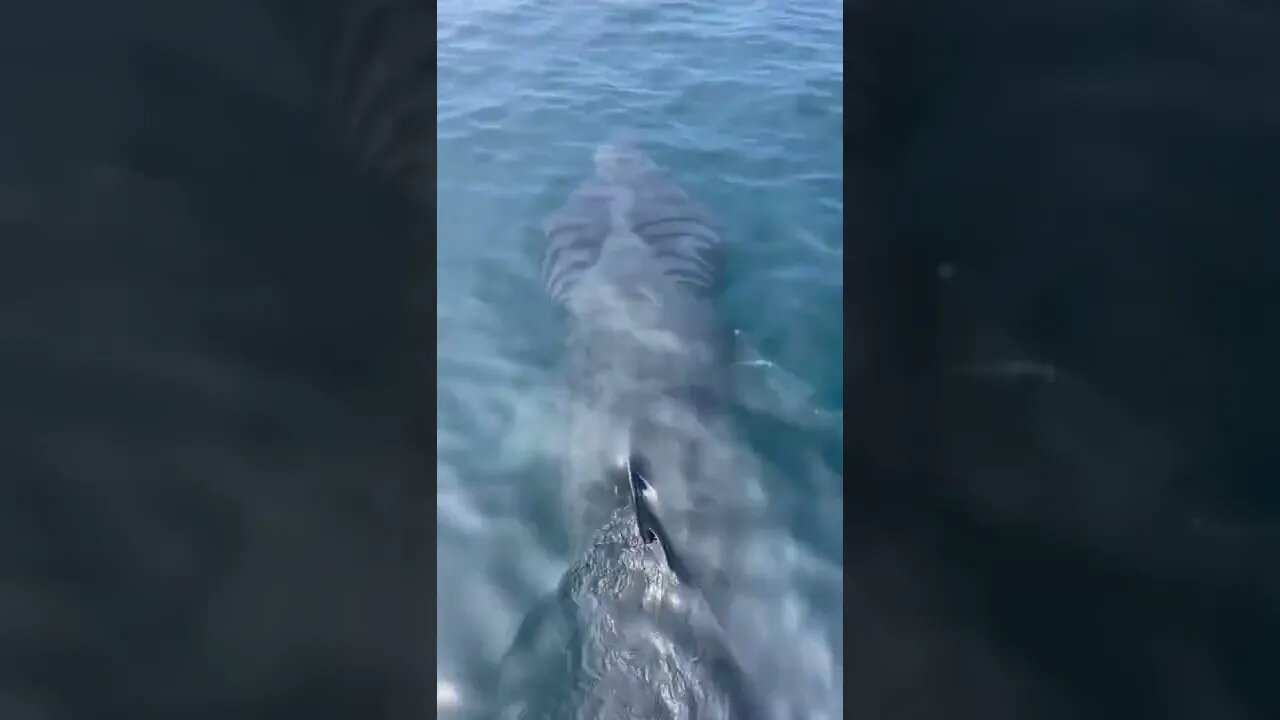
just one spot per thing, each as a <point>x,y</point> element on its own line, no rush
<point>216,490</point>
<point>1085,188</point>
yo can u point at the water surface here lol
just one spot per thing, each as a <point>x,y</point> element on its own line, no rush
<point>742,102</point>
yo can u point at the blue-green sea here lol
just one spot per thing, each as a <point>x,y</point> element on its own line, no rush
<point>742,102</point>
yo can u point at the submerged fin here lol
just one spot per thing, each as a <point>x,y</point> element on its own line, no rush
<point>765,387</point>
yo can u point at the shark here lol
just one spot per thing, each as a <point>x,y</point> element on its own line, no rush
<point>634,629</point>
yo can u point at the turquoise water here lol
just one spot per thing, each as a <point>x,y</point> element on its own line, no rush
<point>742,102</point>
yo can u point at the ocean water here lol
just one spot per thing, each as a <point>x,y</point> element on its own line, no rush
<point>742,102</point>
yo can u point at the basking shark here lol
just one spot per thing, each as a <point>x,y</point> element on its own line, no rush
<point>636,263</point>
<point>634,629</point>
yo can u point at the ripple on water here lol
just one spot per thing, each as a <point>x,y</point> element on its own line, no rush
<point>742,100</point>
